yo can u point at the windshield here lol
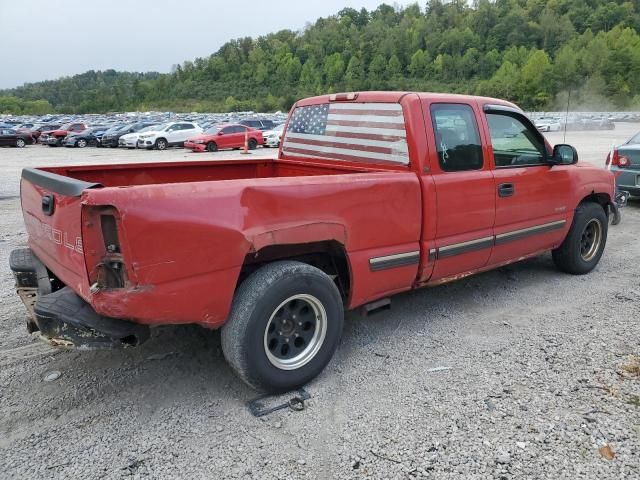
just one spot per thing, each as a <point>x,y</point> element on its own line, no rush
<point>66,127</point>
<point>148,129</point>
<point>212,130</point>
<point>278,128</point>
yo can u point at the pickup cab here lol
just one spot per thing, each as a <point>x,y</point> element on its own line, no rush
<point>371,194</point>
<point>55,137</point>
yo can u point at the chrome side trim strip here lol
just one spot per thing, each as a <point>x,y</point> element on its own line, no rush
<point>393,261</point>
<point>464,247</point>
<point>411,258</point>
<point>526,232</point>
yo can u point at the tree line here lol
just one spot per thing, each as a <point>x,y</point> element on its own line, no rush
<point>532,52</point>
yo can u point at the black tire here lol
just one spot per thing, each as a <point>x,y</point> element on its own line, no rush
<point>252,144</point>
<point>81,143</point>
<point>20,143</point>
<point>161,144</point>
<point>212,147</point>
<point>257,301</point>
<point>577,255</point>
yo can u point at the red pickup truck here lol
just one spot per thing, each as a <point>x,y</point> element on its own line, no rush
<point>54,138</point>
<point>372,194</point>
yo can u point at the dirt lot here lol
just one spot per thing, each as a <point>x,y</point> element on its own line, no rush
<point>518,373</point>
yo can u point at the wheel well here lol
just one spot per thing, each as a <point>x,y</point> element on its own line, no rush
<point>602,199</point>
<point>328,256</point>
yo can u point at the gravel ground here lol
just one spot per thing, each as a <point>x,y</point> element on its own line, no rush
<point>522,372</point>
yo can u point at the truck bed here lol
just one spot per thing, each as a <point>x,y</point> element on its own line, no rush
<point>118,175</point>
<point>183,230</point>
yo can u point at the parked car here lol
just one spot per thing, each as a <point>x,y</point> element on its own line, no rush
<point>130,140</point>
<point>85,138</point>
<point>168,135</point>
<point>548,124</point>
<point>10,137</point>
<point>404,194</point>
<point>36,133</point>
<point>272,137</point>
<point>258,123</point>
<point>54,138</point>
<point>225,136</point>
<point>112,139</point>
<point>112,129</point>
<point>624,162</point>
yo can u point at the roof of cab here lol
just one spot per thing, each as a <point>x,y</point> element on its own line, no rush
<point>395,97</point>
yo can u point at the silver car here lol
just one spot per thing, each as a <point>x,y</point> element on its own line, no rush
<point>624,162</point>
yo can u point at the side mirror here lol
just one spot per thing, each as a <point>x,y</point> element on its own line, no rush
<point>220,133</point>
<point>564,154</point>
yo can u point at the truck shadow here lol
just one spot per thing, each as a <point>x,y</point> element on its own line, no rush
<point>185,364</point>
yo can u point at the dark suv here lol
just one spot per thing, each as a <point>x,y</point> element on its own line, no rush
<point>112,138</point>
<point>258,123</point>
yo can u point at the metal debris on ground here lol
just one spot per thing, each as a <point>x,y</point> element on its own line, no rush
<point>438,369</point>
<point>267,404</point>
<point>52,376</point>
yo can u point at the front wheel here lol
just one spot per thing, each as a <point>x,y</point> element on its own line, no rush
<point>285,324</point>
<point>81,143</point>
<point>161,144</point>
<point>212,147</point>
<point>252,144</point>
<point>583,246</point>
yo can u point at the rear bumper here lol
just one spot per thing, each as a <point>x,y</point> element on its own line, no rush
<point>62,316</point>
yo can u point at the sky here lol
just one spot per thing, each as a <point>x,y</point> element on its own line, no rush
<point>48,39</point>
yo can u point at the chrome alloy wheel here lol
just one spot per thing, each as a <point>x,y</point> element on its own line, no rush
<point>590,240</point>
<point>295,332</point>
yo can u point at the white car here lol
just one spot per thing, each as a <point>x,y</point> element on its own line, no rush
<point>548,124</point>
<point>167,135</point>
<point>130,140</point>
<point>272,137</point>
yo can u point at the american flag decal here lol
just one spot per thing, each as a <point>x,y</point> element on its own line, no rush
<point>348,131</point>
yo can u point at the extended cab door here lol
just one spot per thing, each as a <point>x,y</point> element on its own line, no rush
<point>532,196</point>
<point>465,199</point>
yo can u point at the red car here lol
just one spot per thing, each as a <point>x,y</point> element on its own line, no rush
<point>225,136</point>
<point>372,194</point>
<point>54,138</point>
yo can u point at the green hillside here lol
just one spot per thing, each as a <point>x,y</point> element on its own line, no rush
<point>528,51</point>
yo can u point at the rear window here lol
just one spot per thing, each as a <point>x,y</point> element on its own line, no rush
<point>364,132</point>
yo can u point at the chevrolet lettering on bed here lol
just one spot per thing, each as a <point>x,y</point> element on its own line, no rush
<point>372,194</point>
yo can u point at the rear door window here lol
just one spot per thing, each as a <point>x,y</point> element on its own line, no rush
<point>457,138</point>
<point>357,132</point>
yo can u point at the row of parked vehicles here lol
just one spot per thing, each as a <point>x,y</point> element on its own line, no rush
<point>251,133</point>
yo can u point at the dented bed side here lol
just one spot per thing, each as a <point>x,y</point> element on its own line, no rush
<point>182,246</point>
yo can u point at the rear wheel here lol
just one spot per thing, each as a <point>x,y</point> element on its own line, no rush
<point>252,144</point>
<point>581,250</point>
<point>20,143</point>
<point>212,147</point>
<point>285,324</point>
<point>81,143</point>
<point>161,144</point>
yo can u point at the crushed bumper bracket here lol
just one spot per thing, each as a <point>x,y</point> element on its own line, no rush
<point>62,316</point>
